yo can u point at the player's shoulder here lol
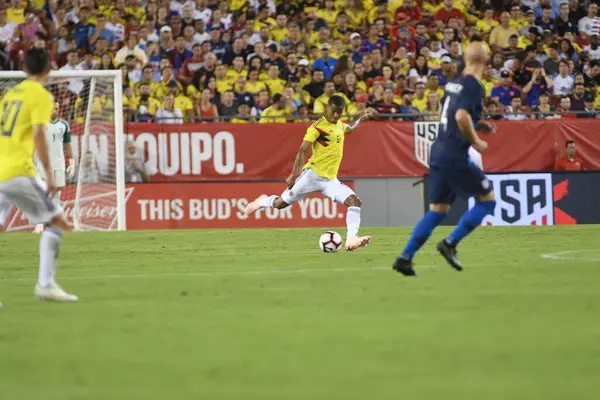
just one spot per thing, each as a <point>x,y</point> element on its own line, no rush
<point>64,122</point>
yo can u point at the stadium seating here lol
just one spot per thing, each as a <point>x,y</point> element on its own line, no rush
<point>229,60</point>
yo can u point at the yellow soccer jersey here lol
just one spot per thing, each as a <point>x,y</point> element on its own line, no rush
<point>421,104</point>
<point>275,86</point>
<point>271,112</point>
<point>184,104</point>
<point>22,107</point>
<point>327,148</point>
<point>240,121</point>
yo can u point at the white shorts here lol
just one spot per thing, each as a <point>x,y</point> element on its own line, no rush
<point>309,182</point>
<point>29,195</point>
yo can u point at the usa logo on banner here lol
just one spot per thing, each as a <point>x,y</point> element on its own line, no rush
<point>425,135</point>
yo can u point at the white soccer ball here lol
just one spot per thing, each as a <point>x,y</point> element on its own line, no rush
<point>330,242</point>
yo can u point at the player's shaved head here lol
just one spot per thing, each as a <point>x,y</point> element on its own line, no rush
<point>337,101</point>
<point>476,54</point>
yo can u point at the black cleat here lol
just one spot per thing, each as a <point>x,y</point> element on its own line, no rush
<point>449,253</point>
<point>404,266</point>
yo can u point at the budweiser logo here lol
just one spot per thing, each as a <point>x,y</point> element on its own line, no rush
<point>97,209</point>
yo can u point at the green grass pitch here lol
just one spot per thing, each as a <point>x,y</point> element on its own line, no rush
<point>263,314</point>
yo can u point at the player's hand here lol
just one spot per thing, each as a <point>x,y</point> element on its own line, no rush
<point>480,145</point>
<point>291,180</point>
<point>486,128</point>
<point>50,185</point>
<point>368,113</point>
<point>71,168</point>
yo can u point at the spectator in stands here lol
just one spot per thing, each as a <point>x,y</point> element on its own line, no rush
<point>89,173</point>
<point>325,63</point>
<point>493,113</point>
<point>540,83</point>
<point>563,82</point>
<point>503,93</point>
<point>433,107</point>
<point>564,107</point>
<point>513,113</point>
<point>551,64</point>
<point>243,116</point>
<point>577,98</point>
<point>589,109</point>
<point>204,108</point>
<point>135,171</point>
<point>589,23</point>
<point>169,114</point>
<point>543,109</point>
<point>501,33</point>
<point>228,107</point>
<point>570,161</point>
<point>131,49</point>
<point>447,11</point>
<point>563,23</point>
<point>446,72</point>
<point>282,106</point>
<point>419,100</point>
<point>419,72</point>
<point>545,21</point>
<point>387,104</point>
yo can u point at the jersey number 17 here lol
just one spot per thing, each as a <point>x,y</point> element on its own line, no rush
<point>9,116</point>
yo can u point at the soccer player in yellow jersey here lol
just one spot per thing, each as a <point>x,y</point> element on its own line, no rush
<point>26,111</point>
<point>326,139</point>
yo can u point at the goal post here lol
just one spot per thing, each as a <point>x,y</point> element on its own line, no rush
<point>91,103</point>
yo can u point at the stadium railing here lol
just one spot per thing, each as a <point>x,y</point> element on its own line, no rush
<point>380,117</point>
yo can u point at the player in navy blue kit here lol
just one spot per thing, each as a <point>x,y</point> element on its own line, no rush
<point>452,173</point>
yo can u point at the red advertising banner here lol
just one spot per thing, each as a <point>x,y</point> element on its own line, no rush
<point>192,206</point>
<point>221,151</point>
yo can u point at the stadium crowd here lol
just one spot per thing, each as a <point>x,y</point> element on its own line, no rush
<point>280,61</point>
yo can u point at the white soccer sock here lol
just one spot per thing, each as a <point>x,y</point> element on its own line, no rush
<point>49,251</point>
<point>353,221</point>
<point>267,202</point>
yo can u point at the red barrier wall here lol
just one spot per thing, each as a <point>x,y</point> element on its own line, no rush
<point>191,206</point>
<point>219,151</point>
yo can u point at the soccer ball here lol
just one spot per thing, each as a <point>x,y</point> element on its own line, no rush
<point>330,242</point>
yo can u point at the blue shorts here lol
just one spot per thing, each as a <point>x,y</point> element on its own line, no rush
<point>445,184</point>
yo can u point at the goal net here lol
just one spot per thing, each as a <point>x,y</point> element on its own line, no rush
<point>90,106</point>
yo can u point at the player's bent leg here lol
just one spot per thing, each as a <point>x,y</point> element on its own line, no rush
<point>468,223</point>
<point>47,288</point>
<point>353,241</point>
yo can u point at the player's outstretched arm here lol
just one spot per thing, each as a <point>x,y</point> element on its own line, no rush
<point>367,113</point>
<point>41,149</point>
<point>299,162</point>
<point>465,124</point>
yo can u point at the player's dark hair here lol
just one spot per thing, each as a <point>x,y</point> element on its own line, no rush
<point>476,38</point>
<point>276,98</point>
<point>554,46</point>
<point>37,61</point>
<point>565,97</point>
<point>337,101</point>
<point>568,142</point>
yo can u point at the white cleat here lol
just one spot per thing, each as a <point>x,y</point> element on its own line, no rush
<point>254,206</point>
<point>353,243</point>
<point>53,292</point>
<point>38,229</point>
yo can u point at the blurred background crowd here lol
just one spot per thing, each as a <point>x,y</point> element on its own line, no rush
<point>280,61</point>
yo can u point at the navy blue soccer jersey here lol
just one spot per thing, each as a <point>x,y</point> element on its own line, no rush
<point>450,150</point>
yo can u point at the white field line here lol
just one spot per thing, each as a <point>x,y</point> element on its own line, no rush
<point>572,255</point>
<point>207,273</point>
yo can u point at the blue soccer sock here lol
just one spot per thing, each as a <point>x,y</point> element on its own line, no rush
<point>470,220</point>
<point>422,232</point>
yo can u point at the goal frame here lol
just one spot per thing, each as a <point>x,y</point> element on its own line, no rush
<point>118,121</point>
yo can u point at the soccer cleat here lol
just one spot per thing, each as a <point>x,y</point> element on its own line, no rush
<point>254,206</point>
<point>353,243</point>
<point>449,253</point>
<point>53,292</point>
<point>38,228</point>
<point>404,266</point>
